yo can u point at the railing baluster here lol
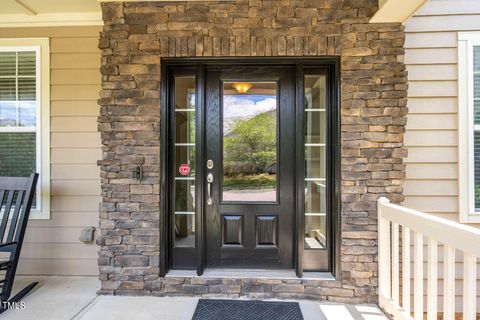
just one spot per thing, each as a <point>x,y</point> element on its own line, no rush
<point>432,280</point>
<point>395,264</point>
<point>406,269</point>
<point>449,283</point>
<point>418,276</point>
<point>384,255</point>
<point>469,286</point>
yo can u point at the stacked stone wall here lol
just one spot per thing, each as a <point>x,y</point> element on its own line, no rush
<point>373,116</point>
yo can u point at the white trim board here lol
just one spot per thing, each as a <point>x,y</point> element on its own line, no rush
<point>396,10</point>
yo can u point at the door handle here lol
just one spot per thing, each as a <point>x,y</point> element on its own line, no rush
<point>209,187</point>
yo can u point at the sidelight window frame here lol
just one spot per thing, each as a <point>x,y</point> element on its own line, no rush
<point>309,260</point>
<point>184,257</point>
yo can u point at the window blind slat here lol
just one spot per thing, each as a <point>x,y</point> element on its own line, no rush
<point>7,64</point>
<point>476,111</point>
<point>18,154</point>
<point>26,63</point>
<point>476,149</point>
<point>7,89</point>
<point>26,89</point>
<point>476,58</point>
<point>476,85</point>
<point>476,138</point>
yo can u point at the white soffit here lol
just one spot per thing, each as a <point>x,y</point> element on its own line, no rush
<point>36,13</point>
<point>396,10</point>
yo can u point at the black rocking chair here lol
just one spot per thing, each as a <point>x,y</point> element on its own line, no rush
<point>16,198</point>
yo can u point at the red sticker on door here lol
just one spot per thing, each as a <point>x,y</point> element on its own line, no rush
<point>184,169</point>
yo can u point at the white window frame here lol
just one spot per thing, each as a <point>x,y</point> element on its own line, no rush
<point>42,48</point>
<point>466,127</point>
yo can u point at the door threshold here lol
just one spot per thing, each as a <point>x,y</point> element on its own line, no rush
<point>286,274</point>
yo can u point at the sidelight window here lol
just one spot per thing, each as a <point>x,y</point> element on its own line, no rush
<point>184,99</point>
<point>315,162</point>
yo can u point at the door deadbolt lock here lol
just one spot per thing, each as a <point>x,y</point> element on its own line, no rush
<point>209,164</point>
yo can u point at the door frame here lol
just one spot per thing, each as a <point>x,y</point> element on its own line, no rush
<point>197,65</point>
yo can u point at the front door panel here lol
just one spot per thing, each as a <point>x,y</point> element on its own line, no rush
<point>250,215</point>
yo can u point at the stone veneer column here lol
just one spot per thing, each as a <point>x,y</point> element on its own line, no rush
<point>373,117</point>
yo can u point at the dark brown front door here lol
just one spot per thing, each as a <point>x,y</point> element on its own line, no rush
<point>249,178</point>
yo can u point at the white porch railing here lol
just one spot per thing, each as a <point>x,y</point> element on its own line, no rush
<point>454,236</point>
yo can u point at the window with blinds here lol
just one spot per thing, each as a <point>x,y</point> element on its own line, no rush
<point>18,112</point>
<point>469,126</point>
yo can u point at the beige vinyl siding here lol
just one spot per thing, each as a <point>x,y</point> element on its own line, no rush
<point>432,128</point>
<point>52,246</point>
<point>431,137</point>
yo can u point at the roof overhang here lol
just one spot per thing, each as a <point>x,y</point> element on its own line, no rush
<point>39,13</point>
<point>396,10</point>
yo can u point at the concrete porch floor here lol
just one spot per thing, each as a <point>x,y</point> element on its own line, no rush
<point>65,298</point>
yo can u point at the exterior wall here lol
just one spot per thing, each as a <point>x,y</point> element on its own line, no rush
<point>51,246</point>
<point>431,137</point>
<point>136,35</point>
<point>431,184</point>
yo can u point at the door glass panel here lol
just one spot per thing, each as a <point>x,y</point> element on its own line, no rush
<point>185,126</point>
<point>250,141</point>
<point>184,98</point>
<point>315,162</point>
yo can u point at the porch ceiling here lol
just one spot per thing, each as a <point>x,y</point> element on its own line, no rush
<point>27,13</point>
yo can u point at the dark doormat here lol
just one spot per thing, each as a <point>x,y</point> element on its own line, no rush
<point>209,309</point>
